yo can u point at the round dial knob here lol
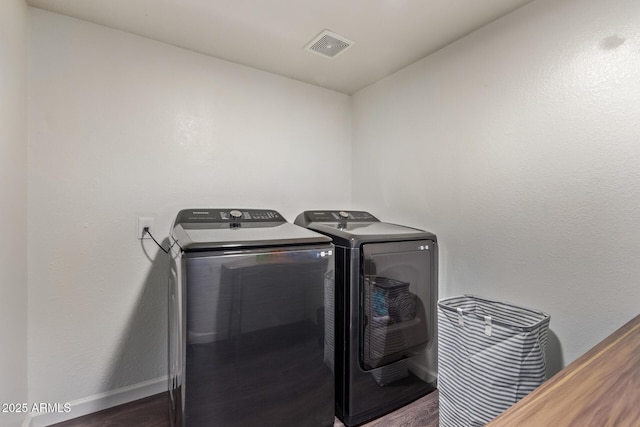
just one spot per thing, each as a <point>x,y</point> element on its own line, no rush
<point>343,214</point>
<point>235,214</point>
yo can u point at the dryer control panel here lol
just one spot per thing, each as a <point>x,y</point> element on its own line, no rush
<point>217,218</point>
<point>335,216</point>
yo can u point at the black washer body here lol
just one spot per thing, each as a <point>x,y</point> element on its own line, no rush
<point>250,321</point>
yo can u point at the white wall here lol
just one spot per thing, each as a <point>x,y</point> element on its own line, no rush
<point>518,146</point>
<point>13,207</point>
<point>121,127</point>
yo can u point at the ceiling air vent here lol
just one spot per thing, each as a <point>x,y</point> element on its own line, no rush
<point>329,44</point>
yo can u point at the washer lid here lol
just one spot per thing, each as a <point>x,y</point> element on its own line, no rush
<point>201,229</point>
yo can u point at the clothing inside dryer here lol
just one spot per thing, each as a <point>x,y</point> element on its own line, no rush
<point>395,291</point>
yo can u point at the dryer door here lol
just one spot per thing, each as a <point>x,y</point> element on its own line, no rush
<point>397,286</point>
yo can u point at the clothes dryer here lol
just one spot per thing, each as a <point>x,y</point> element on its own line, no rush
<point>386,291</point>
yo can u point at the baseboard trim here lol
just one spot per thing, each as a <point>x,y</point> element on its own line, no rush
<point>98,402</point>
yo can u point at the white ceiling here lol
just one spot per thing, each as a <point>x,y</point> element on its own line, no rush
<point>271,34</point>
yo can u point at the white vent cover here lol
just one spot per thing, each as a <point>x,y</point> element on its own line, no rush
<point>329,44</point>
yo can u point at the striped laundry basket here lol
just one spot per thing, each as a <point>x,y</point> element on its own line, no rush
<point>490,355</point>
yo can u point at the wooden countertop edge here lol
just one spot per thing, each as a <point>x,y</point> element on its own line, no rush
<point>567,373</point>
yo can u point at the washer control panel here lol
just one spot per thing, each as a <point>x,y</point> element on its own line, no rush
<point>229,216</point>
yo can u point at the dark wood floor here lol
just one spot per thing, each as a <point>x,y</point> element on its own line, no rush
<point>153,412</point>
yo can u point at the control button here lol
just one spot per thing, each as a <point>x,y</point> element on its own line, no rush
<point>235,214</point>
<point>344,214</point>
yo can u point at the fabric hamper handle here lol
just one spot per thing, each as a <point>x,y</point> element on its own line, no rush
<point>498,313</point>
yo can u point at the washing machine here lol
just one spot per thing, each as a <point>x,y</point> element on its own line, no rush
<point>386,287</point>
<point>250,321</point>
